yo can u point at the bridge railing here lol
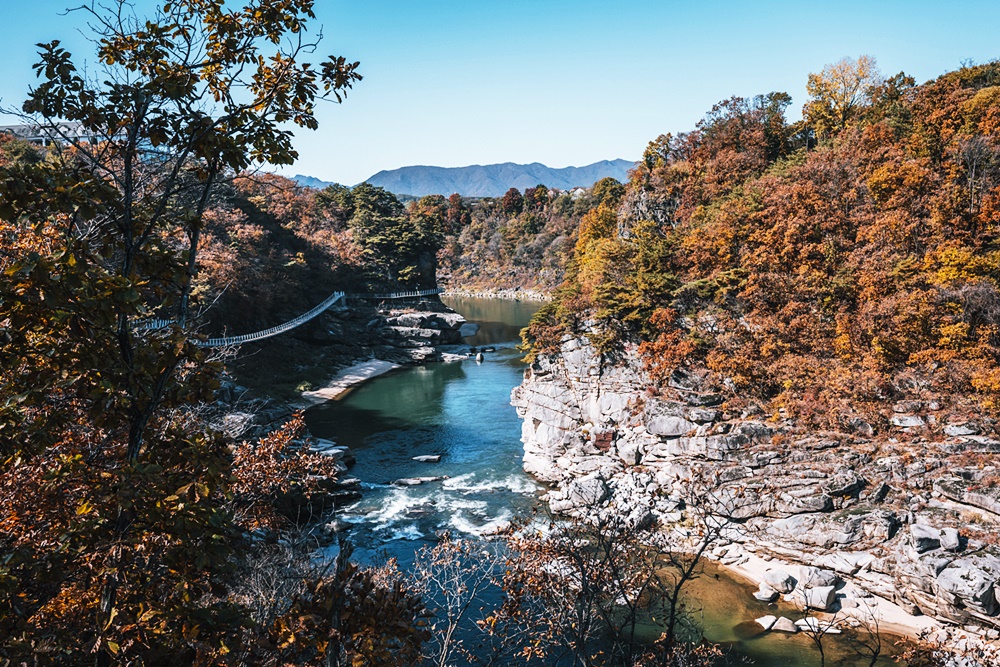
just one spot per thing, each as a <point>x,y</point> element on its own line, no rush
<point>397,295</point>
<point>273,331</point>
<point>152,325</point>
<point>155,324</point>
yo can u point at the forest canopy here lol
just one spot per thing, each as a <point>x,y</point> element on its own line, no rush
<point>826,267</point>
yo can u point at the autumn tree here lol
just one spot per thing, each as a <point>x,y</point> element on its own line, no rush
<point>609,191</point>
<point>840,92</point>
<point>537,197</point>
<point>512,202</point>
<point>458,215</point>
<point>126,550</point>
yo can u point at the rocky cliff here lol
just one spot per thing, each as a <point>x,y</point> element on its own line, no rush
<point>890,514</point>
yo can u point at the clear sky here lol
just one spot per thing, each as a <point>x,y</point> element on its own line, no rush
<point>458,82</point>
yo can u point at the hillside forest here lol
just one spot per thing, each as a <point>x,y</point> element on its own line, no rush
<point>824,269</point>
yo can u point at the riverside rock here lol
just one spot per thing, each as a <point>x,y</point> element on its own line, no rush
<point>765,593</point>
<point>587,492</point>
<point>592,430</point>
<point>780,581</point>
<point>785,624</point>
<point>766,622</point>
<point>812,577</point>
<point>821,597</point>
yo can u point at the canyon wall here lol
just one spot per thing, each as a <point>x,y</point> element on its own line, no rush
<point>882,517</point>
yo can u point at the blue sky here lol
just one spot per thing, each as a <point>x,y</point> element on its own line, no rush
<point>452,83</point>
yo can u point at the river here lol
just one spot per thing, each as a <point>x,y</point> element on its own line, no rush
<point>461,411</point>
<point>458,410</point>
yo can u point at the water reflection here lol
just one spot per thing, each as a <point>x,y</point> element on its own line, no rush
<point>499,320</point>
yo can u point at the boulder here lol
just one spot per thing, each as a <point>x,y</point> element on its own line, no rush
<point>950,539</point>
<point>587,491</point>
<point>701,415</point>
<point>958,430</point>
<point>780,581</point>
<point>821,597</point>
<point>819,502</point>
<point>629,451</point>
<point>669,426</point>
<point>766,622</point>
<point>816,626</point>
<point>765,593</point>
<point>337,526</point>
<point>879,493</point>
<point>814,577</point>
<point>907,421</point>
<point>784,624</point>
<point>924,538</point>
<point>810,623</point>
<point>704,400</point>
<point>336,453</point>
<point>844,483</point>
<point>971,581</point>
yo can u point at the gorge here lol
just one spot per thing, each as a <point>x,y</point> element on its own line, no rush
<point>477,475</point>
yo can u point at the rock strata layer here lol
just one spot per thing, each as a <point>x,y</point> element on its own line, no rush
<point>883,522</point>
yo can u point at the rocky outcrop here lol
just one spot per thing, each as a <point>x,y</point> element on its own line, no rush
<point>415,336</point>
<point>883,522</point>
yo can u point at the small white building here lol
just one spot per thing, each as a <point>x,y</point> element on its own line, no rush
<point>43,135</point>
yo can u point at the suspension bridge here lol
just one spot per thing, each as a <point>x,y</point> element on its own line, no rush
<point>152,325</point>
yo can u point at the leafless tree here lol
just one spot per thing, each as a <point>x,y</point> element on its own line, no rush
<point>600,579</point>
<point>454,576</point>
<point>815,629</point>
<point>867,638</point>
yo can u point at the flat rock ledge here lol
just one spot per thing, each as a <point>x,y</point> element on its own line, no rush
<point>832,522</point>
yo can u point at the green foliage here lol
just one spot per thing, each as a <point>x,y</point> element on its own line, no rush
<point>608,191</point>
<point>401,245</point>
<point>489,244</point>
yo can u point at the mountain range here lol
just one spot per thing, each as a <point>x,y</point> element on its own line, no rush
<point>491,180</point>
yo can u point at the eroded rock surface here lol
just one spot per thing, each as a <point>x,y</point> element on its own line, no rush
<point>882,521</point>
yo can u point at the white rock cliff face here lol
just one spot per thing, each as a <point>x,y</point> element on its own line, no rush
<point>895,526</point>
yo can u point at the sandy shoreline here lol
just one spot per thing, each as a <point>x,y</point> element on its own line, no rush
<point>347,379</point>
<point>892,619</point>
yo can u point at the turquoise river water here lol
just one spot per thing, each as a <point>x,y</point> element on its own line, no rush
<point>461,410</point>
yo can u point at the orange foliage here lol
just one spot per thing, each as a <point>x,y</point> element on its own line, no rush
<point>822,276</point>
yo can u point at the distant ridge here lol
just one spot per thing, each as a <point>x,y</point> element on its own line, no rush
<point>310,182</point>
<point>491,180</point>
